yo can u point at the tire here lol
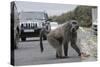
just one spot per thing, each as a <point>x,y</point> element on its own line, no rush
<point>15,45</point>
<point>23,39</point>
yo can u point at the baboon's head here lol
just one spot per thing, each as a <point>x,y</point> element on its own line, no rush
<point>74,25</point>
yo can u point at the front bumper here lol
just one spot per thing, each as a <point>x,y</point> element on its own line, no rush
<point>30,33</point>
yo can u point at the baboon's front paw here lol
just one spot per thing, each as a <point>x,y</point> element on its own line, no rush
<point>84,55</point>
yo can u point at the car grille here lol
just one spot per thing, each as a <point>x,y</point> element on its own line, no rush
<point>29,25</point>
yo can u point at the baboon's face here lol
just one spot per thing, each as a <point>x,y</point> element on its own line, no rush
<point>74,27</point>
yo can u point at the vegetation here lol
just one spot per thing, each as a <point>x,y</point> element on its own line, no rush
<point>83,14</point>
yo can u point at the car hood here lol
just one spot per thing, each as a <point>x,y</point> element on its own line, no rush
<point>31,21</point>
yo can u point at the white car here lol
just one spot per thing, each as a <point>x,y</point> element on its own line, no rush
<point>54,25</point>
<point>94,27</point>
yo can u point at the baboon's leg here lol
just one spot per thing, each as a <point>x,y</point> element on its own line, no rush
<point>65,43</point>
<point>59,52</point>
<point>74,46</point>
<point>55,44</point>
<point>66,49</point>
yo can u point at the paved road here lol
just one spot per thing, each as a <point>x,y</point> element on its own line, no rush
<point>29,53</point>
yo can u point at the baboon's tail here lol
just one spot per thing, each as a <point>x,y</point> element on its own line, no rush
<point>41,43</point>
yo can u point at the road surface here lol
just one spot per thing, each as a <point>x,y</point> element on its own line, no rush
<point>29,54</point>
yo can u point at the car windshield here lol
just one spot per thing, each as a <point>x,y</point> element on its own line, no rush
<point>32,16</point>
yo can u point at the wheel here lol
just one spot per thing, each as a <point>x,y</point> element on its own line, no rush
<point>23,39</point>
<point>15,46</point>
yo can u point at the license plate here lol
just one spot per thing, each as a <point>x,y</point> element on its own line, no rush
<point>29,30</point>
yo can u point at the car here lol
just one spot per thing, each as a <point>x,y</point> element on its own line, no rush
<point>54,25</point>
<point>94,28</point>
<point>31,23</point>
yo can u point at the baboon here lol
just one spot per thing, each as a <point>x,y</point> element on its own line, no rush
<point>61,36</point>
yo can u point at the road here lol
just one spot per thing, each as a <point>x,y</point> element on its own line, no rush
<point>29,53</point>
